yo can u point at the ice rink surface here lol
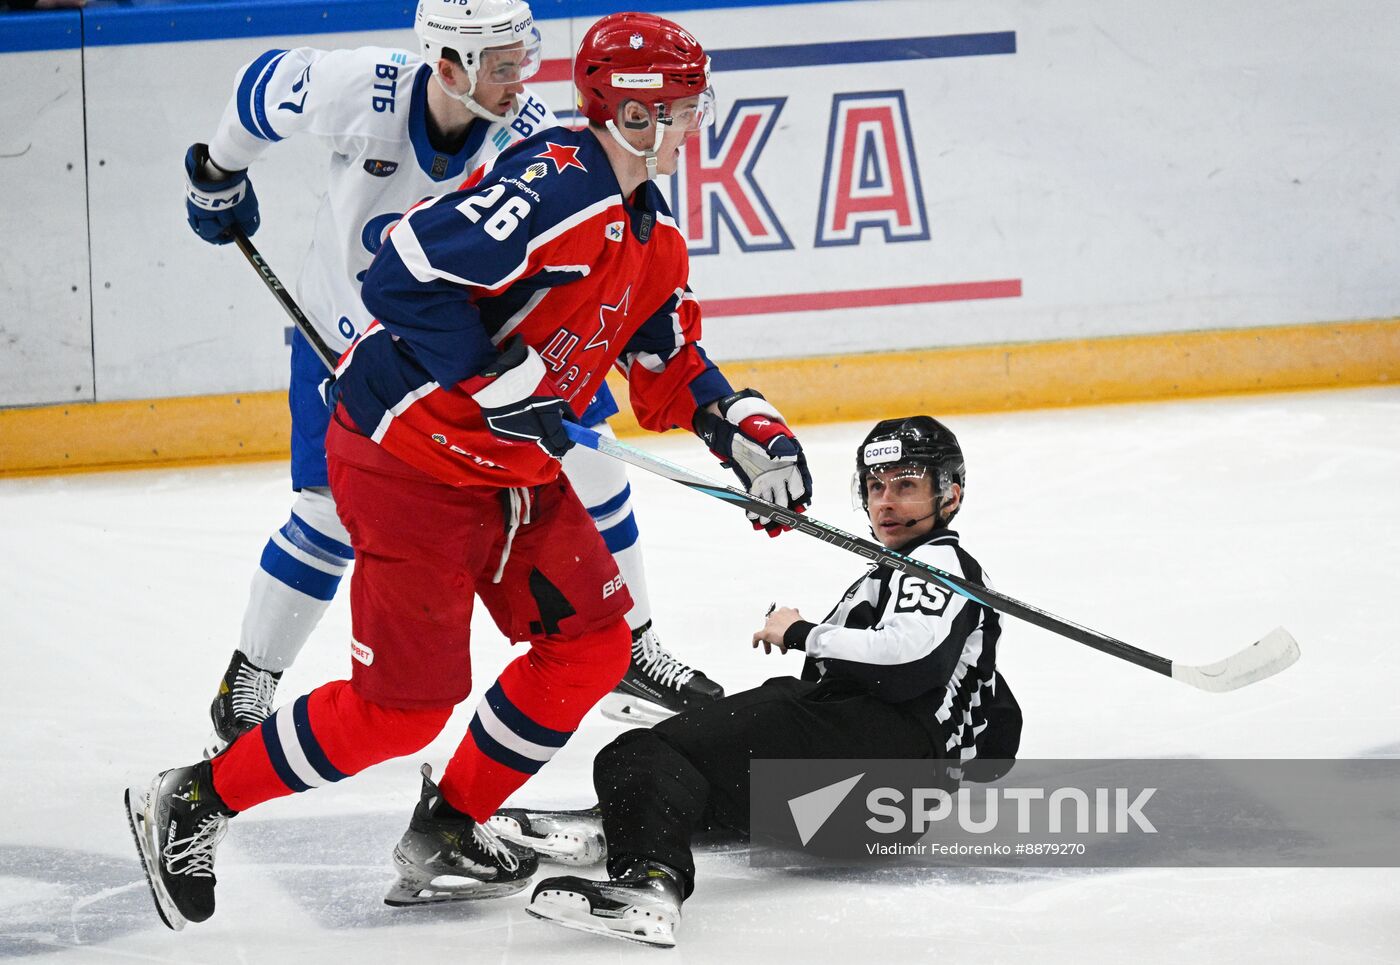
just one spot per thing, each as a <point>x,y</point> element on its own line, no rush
<point>1189,529</point>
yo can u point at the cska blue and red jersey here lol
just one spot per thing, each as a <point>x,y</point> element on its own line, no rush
<point>546,248</point>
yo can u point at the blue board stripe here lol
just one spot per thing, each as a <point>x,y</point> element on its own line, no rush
<point>114,22</point>
<point>105,23</point>
<point>546,9</point>
<point>22,31</point>
<point>864,51</point>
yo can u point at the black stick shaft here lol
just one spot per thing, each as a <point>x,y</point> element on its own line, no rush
<point>872,551</point>
<point>973,591</point>
<point>284,298</point>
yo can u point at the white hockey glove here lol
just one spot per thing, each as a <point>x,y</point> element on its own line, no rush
<point>751,438</point>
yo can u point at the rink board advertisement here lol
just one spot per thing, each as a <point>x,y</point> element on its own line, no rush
<point>882,176</point>
<point>1077,814</point>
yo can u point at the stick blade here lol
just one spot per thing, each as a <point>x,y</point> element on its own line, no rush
<point>1276,651</point>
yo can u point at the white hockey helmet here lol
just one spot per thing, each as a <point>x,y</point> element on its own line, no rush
<point>471,28</point>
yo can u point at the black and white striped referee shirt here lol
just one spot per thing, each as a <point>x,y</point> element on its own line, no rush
<point>914,643</point>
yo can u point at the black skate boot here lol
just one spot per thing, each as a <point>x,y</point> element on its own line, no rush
<point>643,904</point>
<point>244,701</point>
<point>657,685</point>
<point>178,823</point>
<point>564,837</point>
<point>446,856</point>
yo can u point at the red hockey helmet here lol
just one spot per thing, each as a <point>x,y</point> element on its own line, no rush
<point>639,57</point>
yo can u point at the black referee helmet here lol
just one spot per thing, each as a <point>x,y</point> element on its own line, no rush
<point>917,440</point>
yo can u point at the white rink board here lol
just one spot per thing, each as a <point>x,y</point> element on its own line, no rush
<point>1135,168</point>
<point>45,321</point>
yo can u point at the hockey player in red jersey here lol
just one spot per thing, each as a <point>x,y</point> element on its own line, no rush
<point>395,127</point>
<point>498,311</point>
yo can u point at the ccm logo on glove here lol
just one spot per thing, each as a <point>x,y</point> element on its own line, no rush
<point>218,201</point>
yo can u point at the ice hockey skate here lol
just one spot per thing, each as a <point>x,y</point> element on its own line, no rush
<point>563,837</point>
<point>657,685</point>
<point>642,905</point>
<point>243,702</point>
<point>178,823</point>
<point>446,856</point>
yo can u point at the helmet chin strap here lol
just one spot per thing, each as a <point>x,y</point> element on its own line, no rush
<point>649,155</point>
<point>467,99</point>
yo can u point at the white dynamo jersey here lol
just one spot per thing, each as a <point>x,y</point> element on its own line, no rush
<point>370,106</point>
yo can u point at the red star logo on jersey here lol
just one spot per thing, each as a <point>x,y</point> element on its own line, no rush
<point>598,341</point>
<point>563,156</point>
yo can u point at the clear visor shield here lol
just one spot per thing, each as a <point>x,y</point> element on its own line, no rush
<point>513,64</point>
<point>686,115</point>
<point>904,488</point>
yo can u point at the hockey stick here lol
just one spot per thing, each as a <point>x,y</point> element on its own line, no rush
<point>1262,659</point>
<point>284,298</point>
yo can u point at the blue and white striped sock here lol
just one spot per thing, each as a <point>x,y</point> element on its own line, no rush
<point>301,568</point>
<point>617,524</point>
<point>601,484</point>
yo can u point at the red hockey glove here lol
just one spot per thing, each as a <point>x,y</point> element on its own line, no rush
<point>751,438</point>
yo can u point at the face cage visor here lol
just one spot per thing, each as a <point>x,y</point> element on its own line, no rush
<point>512,64</point>
<point>694,118</point>
<point>907,486</point>
<point>702,114</point>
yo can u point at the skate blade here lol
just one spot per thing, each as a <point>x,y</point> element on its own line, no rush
<point>557,848</point>
<point>138,816</point>
<point>626,709</point>
<point>571,911</point>
<point>406,893</point>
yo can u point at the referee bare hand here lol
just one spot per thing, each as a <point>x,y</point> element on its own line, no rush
<point>774,627</point>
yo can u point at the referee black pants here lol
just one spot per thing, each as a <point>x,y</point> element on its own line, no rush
<point>691,772</point>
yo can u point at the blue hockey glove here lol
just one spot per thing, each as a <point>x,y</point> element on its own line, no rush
<point>519,402</point>
<point>330,392</point>
<point>751,438</point>
<point>215,207</point>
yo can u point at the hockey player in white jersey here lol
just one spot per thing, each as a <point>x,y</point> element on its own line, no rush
<point>900,668</point>
<point>400,128</point>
